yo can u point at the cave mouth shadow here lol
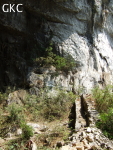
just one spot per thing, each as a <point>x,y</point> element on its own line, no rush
<point>72,117</point>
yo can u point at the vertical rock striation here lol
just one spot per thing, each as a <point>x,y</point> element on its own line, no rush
<point>81,28</point>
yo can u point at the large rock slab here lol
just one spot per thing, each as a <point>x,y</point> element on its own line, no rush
<point>83,29</point>
<point>17,97</point>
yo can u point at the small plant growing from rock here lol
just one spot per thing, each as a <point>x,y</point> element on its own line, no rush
<point>66,63</point>
<point>27,131</point>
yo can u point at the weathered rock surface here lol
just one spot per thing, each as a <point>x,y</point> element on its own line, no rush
<point>37,128</point>
<point>80,28</point>
<point>50,80</point>
<point>83,29</point>
<point>79,141</point>
<point>17,97</point>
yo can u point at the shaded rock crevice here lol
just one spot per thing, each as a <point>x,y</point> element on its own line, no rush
<point>72,117</point>
<point>83,113</point>
<point>84,110</point>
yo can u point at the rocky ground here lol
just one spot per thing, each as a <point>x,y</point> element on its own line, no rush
<point>89,138</point>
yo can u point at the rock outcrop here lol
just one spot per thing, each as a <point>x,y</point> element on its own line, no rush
<point>80,28</point>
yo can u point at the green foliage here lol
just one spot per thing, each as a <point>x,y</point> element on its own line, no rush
<point>60,62</point>
<point>104,98</point>
<point>3,97</point>
<point>104,104</point>
<point>57,61</point>
<point>50,108</point>
<point>15,113</point>
<point>27,131</point>
<point>16,119</point>
<point>57,133</point>
<point>13,119</point>
<point>16,116</point>
<point>106,123</point>
<point>60,131</point>
<point>16,144</point>
<point>55,107</point>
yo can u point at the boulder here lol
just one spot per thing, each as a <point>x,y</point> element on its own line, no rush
<point>90,137</point>
<point>17,97</point>
<point>19,132</point>
<point>88,130</point>
<point>1,141</point>
<point>31,145</point>
<point>66,147</point>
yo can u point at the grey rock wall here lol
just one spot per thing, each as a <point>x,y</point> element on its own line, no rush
<point>81,28</point>
<point>87,36</point>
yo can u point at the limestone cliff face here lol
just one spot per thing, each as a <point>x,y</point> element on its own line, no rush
<point>81,28</point>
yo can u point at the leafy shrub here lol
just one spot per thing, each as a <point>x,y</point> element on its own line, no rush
<point>57,61</point>
<point>104,98</point>
<point>104,104</point>
<point>16,144</point>
<point>16,119</point>
<point>106,123</point>
<point>15,113</point>
<point>16,116</point>
<point>60,62</point>
<point>27,131</point>
<point>3,97</point>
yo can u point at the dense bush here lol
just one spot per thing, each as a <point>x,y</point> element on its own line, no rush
<point>27,131</point>
<point>15,113</point>
<point>104,105</point>
<point>16,116</point>
<point>15,119</point>
<point>57,61</point>
<point>104,98</point>
<point>2,97</point>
